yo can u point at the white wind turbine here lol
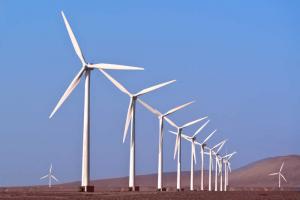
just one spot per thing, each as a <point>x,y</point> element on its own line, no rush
<point>192,139</point>
<point>217,164</point>
<point>221,161</point>
<point>131,119</point>
<point>217,170</point>
<point>162,118</point>
<point>202,146</point>
<point>85,70</point>
<point>210,153</point>
<point>50,176</point>
<point>178,147</point>
<point>280,175</point>
<point>227,168</point>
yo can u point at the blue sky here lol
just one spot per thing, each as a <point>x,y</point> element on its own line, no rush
<point>239,60</point>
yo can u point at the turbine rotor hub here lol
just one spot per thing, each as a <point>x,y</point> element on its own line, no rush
<point>87,66</point>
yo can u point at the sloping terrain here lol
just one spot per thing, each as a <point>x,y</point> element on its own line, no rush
<point>256,174</point>
<point>252,175</point>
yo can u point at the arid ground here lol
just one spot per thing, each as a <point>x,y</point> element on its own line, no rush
<point>248,183</point>
<point>233,195</point>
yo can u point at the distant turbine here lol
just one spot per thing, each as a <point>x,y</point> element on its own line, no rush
<point>85,70</point>
<point>211,150</point>
<point>161,118</point>
<point>192,139</point>
<point>178,147</point>
<point>202,146</point>
<point>280,175</point>
<point>50,176</point>
<point>227,168</point>
<point>217,169</point>
<point>131,119</point>
<point>221,160</point>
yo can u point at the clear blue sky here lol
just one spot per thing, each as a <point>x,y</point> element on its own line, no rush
<point>239,60</point>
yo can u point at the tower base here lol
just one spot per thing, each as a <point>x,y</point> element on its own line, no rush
<point>163,189</point>
<point>136,188</point>
<point>89,188</point>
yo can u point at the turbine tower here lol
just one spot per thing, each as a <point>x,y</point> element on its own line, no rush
<point>210,153</point>
<point>178,148</point>
<point>85,71</point>
<point>130,119</point>
<point>280,175</point>
<point>162,118</point>
<point>192,139</point>
<point>221,161</point>
<point>202,146</point>
<point>50,176</point>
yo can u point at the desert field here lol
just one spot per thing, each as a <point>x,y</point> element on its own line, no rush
<point>232,195</point>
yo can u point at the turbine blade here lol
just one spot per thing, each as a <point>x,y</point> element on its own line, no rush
<point>175,133</point>
<point>116,83</point>
<point>281,167</point>
<point>54,178</point>
<point>218,144</point>
<point>197,143</point>
<point>176,145</point>
<point>114,67</point>
<point>69,90</point>
<point>148,107</point>
<point>283,177</point>
<point>128,118</point>
<point>193,122</point>
<point>218,163</point>
<point>207,138</point>
<point>178,108</point>
<point>221,146</point>
<point>171,122</point>
<point>44,177</point>
<point>230,155</point>
<point>155,87</point>
<point>73,39</point>
<point>186,137</point>
<point>194,151</point>
<point>161,133</point>
<point>200,129</point>
<point>273,174</point>
<point>229,166</point>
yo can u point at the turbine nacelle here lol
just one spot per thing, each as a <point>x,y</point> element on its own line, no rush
<point>89,66</point>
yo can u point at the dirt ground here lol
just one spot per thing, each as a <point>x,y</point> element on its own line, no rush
<point>233,195</point>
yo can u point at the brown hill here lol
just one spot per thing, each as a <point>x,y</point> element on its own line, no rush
<point>252,175</point>
<point>256,174</point>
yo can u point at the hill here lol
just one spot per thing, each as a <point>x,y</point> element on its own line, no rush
<point>251,175</point>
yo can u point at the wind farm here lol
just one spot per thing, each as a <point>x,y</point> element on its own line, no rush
<point>178,101</point>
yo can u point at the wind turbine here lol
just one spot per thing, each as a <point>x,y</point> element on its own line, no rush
<point>192,139</point>
<point>85,71</point>
<point>227,168</point>
<point>50,176</point>
<point>161,118</point>
<point>210,153</point>
<point>218,164</point>
<point>178,147</point>
<point>280,175</point>
<point>202,146</point>
<point>131,119</point>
